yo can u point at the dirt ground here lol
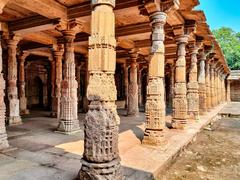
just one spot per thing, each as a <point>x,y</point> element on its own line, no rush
<point>215,155</point>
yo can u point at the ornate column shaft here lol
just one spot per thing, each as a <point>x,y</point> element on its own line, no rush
<point>192,86</point>
<point>180,109</point>
<point>212,79</point>
<point>208,87</point>
<point>13,117</point>
<point>101,157</point>
<point>155,104</point>
<point>57,55</point>
<point>215,88</point>
<point>3,135</point>
<point>172,82</point>
<point>69,122</point>
<point>139,87</point>
<point>22,92</point>
<point>78,78</point>
<point>126,85</point>
<point>133,109</point>
<point>202,84</point>
<point>53,78</point>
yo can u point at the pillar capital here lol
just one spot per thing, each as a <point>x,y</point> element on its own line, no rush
<point>111,3</point>
<point>149,7</point>
<point>13,40</point>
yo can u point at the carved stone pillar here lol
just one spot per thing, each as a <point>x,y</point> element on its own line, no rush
<point>133,109</point>
<point>126,85</point>
<point>57,55</point>
<point>78,78</point>
<point>3,135</point>
<point>155,104</point>
<point>202,83</point>
<point>208,87</point>
<point>180,109</point>
<point>212,85</point>
<point>85,100</point>
<point>215,88</point>
<point>14,117</point>
<point>69,122</point>
<point>172,82</point>
<point>139,87</point>
<point>101,157</point>
<point>22,92</point>
<point>53,77</point>
<point>192,86</point>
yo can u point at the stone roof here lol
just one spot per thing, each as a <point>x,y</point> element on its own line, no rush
<point>235,75</point>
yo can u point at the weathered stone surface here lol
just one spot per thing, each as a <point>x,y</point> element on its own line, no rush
<point>14,115</point>
<point>155,105</point>
<point>69,122</point>
<point>192,86</point>
<point>202,84</point>
<point>3,134</point>
<point>133,88</point>
<point>101,156</point>
<point>180,113</point>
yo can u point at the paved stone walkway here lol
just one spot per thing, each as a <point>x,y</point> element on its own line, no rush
<point>43,154</point>
<point>231,109</point>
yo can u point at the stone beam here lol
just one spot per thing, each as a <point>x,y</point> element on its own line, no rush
<point>84,9</point>
<point>3,3</point>
<point>41,38</point>
<point>32,24</point>
<point>47,8</point>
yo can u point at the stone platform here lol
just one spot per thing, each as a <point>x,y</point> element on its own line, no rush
<point>43,154</point>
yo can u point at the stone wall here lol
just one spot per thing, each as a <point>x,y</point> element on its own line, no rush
<point>235,91</point>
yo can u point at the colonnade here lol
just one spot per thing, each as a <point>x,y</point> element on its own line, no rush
<point>204,89</point>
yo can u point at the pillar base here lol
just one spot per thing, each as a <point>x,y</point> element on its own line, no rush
<point>100,171</point>
<point>68,126</point>
<point>193,115</point>
<point>14,121</point>
<point>53,115</point>
<point>3,142</point>
<point>154,138</point>
<point>179,123</point>
<point>133,113</point>
<point>24,112</point>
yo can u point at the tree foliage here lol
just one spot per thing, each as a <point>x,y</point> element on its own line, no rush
<point>230,44</point>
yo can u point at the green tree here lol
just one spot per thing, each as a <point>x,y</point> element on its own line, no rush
<point>230,44</point>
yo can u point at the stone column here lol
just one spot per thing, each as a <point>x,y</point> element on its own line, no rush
<point>3,135</point>
<point>192,86</point>
<point>69,122</point>
<point>133,109</point>
<point>155,105</point>
<point>22,92</point>
<point>85,100</point>
<point>126,85</point>
<point>208,87</point>
<point>172,82</point>
<point>53,78</point>
<point>179,120</point>
<point>78,78</point>
<point>14,117</point>
<point>101,157</point>
<point>212,66</point>
<point>202,84</point>
<point>215,88</point>
<point>57,55</point>
<point>139,87</point>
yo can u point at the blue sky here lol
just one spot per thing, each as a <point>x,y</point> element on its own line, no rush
<point>222,13</point>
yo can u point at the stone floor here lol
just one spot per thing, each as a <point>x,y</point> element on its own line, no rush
<point>43,154</point>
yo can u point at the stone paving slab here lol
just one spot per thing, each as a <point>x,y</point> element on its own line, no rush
<point>231,109</point>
